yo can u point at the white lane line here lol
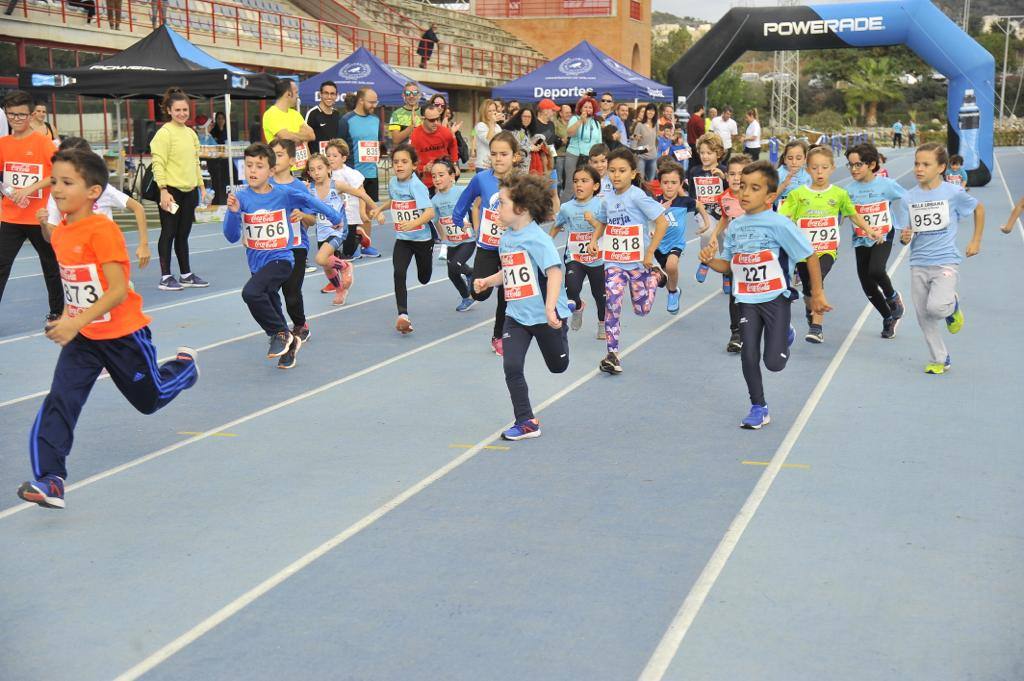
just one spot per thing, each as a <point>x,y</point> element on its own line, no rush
<point>138,271</point>
<point>1008,195</point>
<point>261,589</point>
<point>667,648</point>
<point>217,344</point>
<point>187,301</point>
<point>136,243</point>
<point>254,415</point>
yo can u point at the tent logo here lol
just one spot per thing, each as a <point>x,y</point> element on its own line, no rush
<point>354,71</point>
<point>575,66</point>
<point>616,66</point>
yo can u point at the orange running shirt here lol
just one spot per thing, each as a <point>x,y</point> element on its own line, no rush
<point>23,162</point>
<point>82,248</point>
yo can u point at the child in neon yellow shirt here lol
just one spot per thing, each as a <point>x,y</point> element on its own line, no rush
<point>817,209</point>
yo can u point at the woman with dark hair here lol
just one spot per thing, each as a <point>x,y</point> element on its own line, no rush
<point>610,136</point>
<point>645,138</point>
<point>519,125</point>
<point>176,171</point>
<point>218,167</point>
<point>448,121</point>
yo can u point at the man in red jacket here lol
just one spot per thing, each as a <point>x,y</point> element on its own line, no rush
<point>432,141</point>
<point>695,128</point>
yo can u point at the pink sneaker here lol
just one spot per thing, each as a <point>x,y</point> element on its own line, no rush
<point>340,294</point>
<point>496,346</point>
<point>348,275</point>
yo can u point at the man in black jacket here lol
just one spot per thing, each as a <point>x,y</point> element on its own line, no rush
<point>324,118</point>
<point>426,46</point>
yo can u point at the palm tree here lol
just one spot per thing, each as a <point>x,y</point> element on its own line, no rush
<point>874,82</point>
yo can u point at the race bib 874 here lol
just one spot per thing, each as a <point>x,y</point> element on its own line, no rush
<point>876,215</point>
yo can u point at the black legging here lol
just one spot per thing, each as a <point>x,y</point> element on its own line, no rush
<point>770,319</point>
<point>753,152</point>
<point>485,264</point>
<point>404,252</point>
<point>871,261</point>
<point>575,274</point>
<point>292,288</point>
<point>174,230</point>
<point>12,237</point>
<point>458,269</point>
<point>554,347</point>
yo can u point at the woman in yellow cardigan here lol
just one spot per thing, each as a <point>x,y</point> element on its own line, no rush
<point>175,149</point>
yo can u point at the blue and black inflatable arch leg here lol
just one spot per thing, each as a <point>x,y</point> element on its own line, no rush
<point>918,24</point>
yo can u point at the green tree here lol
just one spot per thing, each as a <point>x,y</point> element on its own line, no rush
<point>730,89</point>
<point>665,54</point>
<point>874,82</point>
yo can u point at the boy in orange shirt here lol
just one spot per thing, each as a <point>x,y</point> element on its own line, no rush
<point>101,327</point>
<point>25,162</point>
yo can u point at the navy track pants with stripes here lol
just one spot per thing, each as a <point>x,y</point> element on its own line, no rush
<point>132,364</point>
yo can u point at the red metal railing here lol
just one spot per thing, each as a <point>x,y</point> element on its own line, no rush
<point>543,8</point>
<point>231,24</point>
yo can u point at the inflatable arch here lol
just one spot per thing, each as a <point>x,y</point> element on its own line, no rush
<point>918,24</point>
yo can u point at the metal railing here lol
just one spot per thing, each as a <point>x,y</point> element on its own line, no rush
<point>510,9</point>
<point>231,24</point>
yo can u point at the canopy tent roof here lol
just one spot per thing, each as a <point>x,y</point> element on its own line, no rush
<point>161,60</point>
<point>567,77</point>
<point>362,69</point>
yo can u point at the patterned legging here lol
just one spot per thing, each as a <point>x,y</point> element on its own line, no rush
<point>642,285</point>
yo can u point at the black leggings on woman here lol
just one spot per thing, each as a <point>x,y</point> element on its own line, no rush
<point>403,254</point>
<point>575,274</point>
<point>174,231</point>
<point>485,264</point>
<point>458,270</point>
<point>871,261</point>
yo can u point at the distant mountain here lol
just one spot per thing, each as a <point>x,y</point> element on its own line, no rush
<point>979,8</point>
<point>660,18</point>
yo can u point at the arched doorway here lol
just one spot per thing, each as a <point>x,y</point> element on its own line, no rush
<point>635,59</point>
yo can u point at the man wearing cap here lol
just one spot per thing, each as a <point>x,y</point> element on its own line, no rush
<point>405,118</point>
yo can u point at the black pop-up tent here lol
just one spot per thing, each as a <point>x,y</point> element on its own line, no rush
<point>145,70</point>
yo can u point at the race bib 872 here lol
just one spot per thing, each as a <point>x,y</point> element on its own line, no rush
<point>20,175</point>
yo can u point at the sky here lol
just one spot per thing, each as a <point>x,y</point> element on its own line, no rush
<point>712,10</point>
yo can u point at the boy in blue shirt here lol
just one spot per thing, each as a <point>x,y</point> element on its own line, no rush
<point>760,249</point>
<point>262,215</point>
<point>955,173</point>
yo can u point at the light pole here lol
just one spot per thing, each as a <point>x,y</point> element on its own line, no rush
<point>1006,29</point>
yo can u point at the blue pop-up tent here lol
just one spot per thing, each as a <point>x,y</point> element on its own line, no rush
<point>362,69</point>
<point>567,77</point>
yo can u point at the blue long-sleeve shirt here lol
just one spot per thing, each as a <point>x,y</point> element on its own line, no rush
<point>484,186</point>
<point>262,222</point>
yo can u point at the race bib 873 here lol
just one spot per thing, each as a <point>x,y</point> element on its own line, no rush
<point>929,216</point>
<point>82,288</point>
<point>452,232</point>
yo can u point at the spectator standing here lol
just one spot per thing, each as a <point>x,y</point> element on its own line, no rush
<point>177,173</point>
<point>695,128</point>
<point>114,14</point>
<point>285,122</point>
<point>609,113</point>
<point>668,117</point>
<point>645,137</point>
<point>432,141</point>
<point>405,118</point>
<point>897,134</point>
<point>712,115</point>
<point>519,126</point>
<point>485,130</point>
<point>912,133</point>
<point>218,167</point>
<point>752,136</point>
<point>510,110</point>
<point>725,127</point>
<point>561,124</point>
<point>448,121</point>
<point>323,119</point>
<point>39,124</point>
<point>426,47</point>
<point>361,130</point>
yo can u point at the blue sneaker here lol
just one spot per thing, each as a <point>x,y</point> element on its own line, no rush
<point>673,301</point>
<point>791,336</point>
<point>48,492</point>
<point>371,252</point>
<point>465,304</point>
<point>757,417</point>
<point>702,272</point>
<point>194,281</point>
<point>522,431</point>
